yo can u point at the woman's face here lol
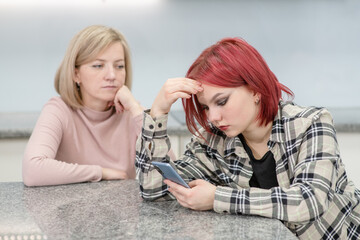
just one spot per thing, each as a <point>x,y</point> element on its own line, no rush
<point>232,110</point>
<point>101,78</point>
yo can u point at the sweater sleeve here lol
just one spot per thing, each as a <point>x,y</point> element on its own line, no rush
<point>39,164</point>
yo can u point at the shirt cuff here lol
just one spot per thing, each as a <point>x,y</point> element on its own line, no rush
<point>154,128</point>
<point>222,199</point>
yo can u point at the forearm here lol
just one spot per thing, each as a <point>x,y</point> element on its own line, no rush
<point>290,205</point>
<point>152,145</point>
<point>39,171</point>
<point>39,164</point>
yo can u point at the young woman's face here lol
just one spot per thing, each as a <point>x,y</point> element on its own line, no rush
<point>101,79</point>
<point>232,110</point>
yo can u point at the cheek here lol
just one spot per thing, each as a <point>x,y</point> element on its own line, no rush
<point>122,77</point>
<point>237,112</point>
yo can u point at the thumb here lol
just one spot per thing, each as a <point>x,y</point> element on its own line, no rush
<point>194,183</point>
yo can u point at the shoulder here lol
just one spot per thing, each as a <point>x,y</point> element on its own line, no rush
<point>56,103</point>
<point>295,119</point>
<point>56,107</point>
<point>289,111</point>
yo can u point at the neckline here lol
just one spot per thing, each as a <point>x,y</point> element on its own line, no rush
<point>250,153</point>
<point>97,116</point>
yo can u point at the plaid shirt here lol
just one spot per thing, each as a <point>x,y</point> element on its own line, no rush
<point>315,199</point>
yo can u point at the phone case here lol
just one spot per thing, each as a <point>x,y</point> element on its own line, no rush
<point>168,172</point>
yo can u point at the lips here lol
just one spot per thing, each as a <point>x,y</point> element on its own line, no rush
<point>223,128</point>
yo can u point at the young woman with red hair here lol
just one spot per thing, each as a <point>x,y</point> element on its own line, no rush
<point>254,153</point>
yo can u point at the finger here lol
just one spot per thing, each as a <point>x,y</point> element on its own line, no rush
<point>193,183</point>
<point>170,183</point>
<point>192,88</point>
<point>181,82</point>
<point>185,89</point>
<point>118,106</point>
<point>171,99</point>
<point>177,95</point>
<point>179,197</point>
<point>184,80</point>
<point>176,187</point>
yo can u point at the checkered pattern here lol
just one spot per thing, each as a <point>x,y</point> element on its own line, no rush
<point>315,199</point>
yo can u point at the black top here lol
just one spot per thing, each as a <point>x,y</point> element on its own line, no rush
<point>264,174</point>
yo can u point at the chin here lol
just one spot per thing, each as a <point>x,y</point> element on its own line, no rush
<point>232,134</point>
<point>109,97</point>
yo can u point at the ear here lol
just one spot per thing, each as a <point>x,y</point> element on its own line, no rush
<point>76,76</point>
<point>257,98</point>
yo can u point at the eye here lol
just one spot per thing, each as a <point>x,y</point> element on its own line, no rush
<point>222,102</point>
<point>204,108</point>
<point>97,66</point>
<point>120,66</point>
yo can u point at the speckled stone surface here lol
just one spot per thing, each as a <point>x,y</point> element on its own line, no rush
<point>114,210</point>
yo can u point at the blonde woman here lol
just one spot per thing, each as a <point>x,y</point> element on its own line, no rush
<point>80,136</point>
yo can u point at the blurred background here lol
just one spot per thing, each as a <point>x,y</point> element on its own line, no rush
<point>311,46</point>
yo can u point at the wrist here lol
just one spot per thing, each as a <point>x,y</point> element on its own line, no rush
<point>136,109</point>
<point>155,113</point>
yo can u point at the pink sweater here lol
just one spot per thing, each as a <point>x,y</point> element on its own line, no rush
<point>69,146</point>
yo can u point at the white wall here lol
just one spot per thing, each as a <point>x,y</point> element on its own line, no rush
<point>312,46</point>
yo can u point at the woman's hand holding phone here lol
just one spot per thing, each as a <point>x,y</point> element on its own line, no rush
<point>197,195</point>
<point>200,196</point>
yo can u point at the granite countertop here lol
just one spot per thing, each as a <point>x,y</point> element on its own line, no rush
<point>114,210</point>
<point>20,125</point>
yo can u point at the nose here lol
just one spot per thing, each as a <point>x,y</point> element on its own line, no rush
<point>214,115</point>
<point>110,73</point>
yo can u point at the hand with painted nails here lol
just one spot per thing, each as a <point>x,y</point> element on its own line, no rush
<point>173,89</point>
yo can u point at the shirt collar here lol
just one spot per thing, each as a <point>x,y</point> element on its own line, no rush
<point>277,132</point>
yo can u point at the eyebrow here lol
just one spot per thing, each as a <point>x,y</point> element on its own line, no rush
<point>102,60</point>
<point>213,98</point>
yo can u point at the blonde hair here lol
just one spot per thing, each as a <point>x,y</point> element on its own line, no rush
<point>83,48</point>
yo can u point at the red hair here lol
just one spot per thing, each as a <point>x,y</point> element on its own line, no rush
<point>232,62</point>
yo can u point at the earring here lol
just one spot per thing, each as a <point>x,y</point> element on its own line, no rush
<point>257,101</point>
<point>77,84</point>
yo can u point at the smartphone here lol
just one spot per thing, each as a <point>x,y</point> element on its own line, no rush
<point>168,172</point>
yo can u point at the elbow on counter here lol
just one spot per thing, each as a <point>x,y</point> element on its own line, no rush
<point>31,172</point>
